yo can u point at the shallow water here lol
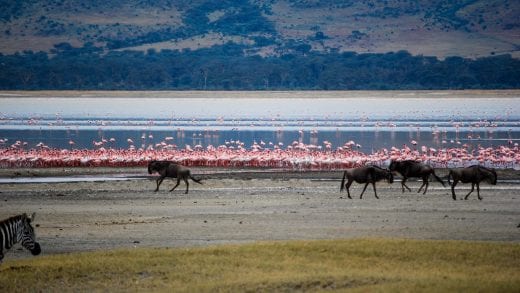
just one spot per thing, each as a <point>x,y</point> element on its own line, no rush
<point>63,179</point>
<point>373,120</point>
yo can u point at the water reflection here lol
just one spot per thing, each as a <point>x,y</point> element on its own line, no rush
<point>367,139</point>
<point>372,120</point>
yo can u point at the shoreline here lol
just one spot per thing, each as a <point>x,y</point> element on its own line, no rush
<point>308,94</point>
<point>205,172</point>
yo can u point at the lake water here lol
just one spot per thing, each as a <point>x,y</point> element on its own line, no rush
<point>373,120</point>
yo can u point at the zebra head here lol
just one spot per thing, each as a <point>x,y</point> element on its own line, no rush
<point>28,237</point>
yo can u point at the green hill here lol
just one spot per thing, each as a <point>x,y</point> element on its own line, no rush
<point>466,28</point>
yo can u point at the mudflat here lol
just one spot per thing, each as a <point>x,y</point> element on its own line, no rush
<point>248,206</point>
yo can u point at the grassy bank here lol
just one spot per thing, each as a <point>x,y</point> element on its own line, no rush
<point>362,264</point>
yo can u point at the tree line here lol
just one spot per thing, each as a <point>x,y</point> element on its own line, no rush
<point>230,67</point>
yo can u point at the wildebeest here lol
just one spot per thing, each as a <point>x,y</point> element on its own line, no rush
<point>366,174</point>
<point>172,170</point>
<point>474,175</point>
<point>410,168</point>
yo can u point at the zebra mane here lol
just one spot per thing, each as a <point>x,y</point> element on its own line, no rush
<point>19,217</point>
<point>14,218</point>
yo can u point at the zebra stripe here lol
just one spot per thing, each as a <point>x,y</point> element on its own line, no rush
<point>18,229</point>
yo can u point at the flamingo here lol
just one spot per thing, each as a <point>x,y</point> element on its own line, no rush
<point>297,155</point>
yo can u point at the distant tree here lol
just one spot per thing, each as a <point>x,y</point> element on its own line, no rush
<point>229,67</point>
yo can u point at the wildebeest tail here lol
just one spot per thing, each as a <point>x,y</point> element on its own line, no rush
<point>343,181</point>
<point>449,175</point>
<point>195,179</point>
<point>438,179</point>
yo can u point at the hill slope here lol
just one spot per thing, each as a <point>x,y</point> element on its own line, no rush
<point>467,28</point>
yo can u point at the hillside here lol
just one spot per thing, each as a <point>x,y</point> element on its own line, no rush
<point>466,28</point>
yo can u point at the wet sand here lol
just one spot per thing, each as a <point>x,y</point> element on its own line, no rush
<point>247,206</point>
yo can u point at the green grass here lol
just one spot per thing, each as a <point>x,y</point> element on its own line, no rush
<point>362,264</point>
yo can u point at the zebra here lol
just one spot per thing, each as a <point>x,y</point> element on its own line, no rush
<point>18,229</point>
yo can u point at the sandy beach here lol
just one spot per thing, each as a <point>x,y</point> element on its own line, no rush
<point>245,206</point>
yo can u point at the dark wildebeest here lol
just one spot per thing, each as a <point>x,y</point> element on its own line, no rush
<point>474,174</point>
<point>366,174</point>
<point>410,168</point>
<point>172,170</point>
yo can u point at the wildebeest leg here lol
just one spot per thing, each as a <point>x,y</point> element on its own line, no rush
<point>478,191</point>
<point>425,183</point>
<point>403,185</point>
<point>187,184</point>
<point>453,189</point>
<point>178,182</point>
<point>472,188</point>
<point>159,181</point>
<point>364,188</point>
<point>420,188</point>
<point>348,186</point>
<point>375,192</point>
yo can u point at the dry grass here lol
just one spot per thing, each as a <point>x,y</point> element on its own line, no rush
<point>391,34</point>
<point>363,264</point>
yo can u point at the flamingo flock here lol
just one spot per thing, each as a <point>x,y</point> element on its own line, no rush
<point>298,156</point>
